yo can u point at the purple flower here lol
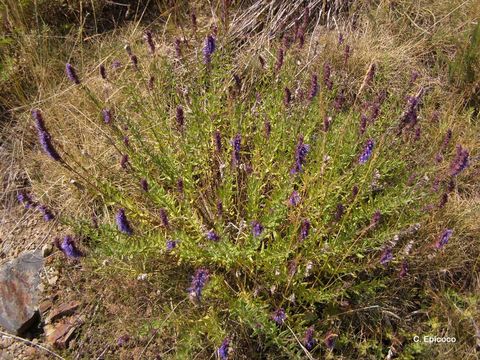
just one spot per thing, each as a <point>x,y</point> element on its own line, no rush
<point>47,214</point>
<point>294,198</point>
<point>305,229</point>
<point>126,140</point>
<point>149,39</point>
<point>354,191</point>
<point>103,72</point>
<point>180,186</point>
<point>287,97</point>
<point>367,152</point>
<point>116,64</point>
<point>178,48</point>
<point>377,216</point>
<point>223,350</point>
<point>123,340</point>
<point>300,156</point>
<point>151,83</point>
<point>71,73</point>
<point>193,19</point>
<point>313,87</point>
<point>44,136</point>
<point>326,76</point>
<point>363,123</point>
<point>410,115</point>
<point>444,237</point>
<point>144,184</point>
<point>403,269</point>
<point>180,117</point>
<point>279,316</point>
<point>236,142</point>
<point>257,228</point>
<point>122,223</point>
<point>339,212</point>
<point>208,49</point>
<point>460,162</point>
<point>418,132</point>
<point>124,161</point>
<point>171,244</point>
<point>268,128</point>
<point>308,341</point>
<point>67,246</point>
<point>198,282</point>
<point>340,39</point>
<point>443,200</point>
<point>446,139</point>
<point>134,60</point>
<point>164,218</point>
<point>387,256</point>
<point>217,139</point>
<point>280,56</point>
<point>219,208</point>
<point>26,200</point>
<point>107,116</point>
<point>339,100</point>
<point>213,236</point>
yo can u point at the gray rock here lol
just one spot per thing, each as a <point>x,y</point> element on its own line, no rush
<point>19,280</point>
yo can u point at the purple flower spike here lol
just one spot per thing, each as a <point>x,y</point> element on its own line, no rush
<point>149,39</point>
<point>178,48</point>
<point>103,72</point>
<point>107,116</point>
<point>279,316</point>
<point>217,139</point>
<point>236,143</point>
<point>280,56</point>
<point>164,218</point>
<point>122,222</point>
<point>377,216</point>
<point>305,229</point>
<point>47,214</point>
<point>294,198</point>
<point>300,156</point>
<point>144,184</point>
<point>180,117</point>
<point>354,191</point>
<point>219,208</point>
<point>67,246</point>
<point>208,49</point>
<point>116,64</point>
<point>134,60</point>
<point>198,282</point>
<point>71,73</point>
<point>268,129</point>
<point>460,162</point>
<point>124,161</point>
<point>44,136</point>
<point>367,152</point>
<point>287,97</point>
<point>363,123</point>
<point>313,87</point>
<point>444,237</point>
<point>123,340</point>
<point>126,140</point>
<point>180,187</point>
<point>172,244</point>
<point>213,236</point>
<point>446,139</point>
<point>257,228</point>
<point>387,256</point>
<point>327,122</point>
<point>308,341</point>
<point>26,200</point>
<point>223,350</point>
<point>339,212</point>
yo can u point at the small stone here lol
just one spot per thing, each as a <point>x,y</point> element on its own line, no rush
<point>19,281</point>
<point>52,280</point>
<point>47,249</point>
